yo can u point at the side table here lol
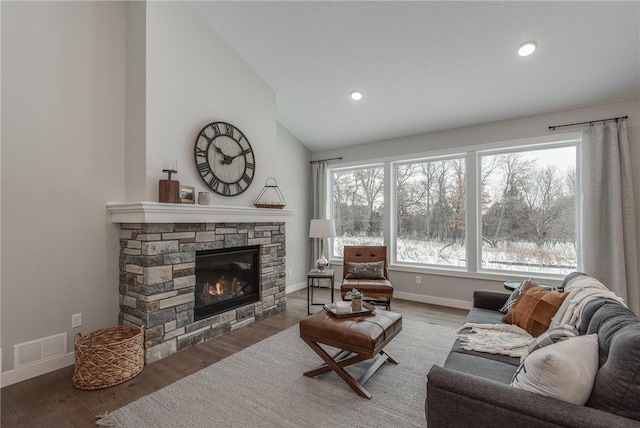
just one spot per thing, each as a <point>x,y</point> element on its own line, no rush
<point>512,285</point>
<point>314,277</point>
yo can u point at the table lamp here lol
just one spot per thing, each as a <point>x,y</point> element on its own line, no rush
<point>322,229</point>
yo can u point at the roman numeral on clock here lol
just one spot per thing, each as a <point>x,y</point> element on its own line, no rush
<point>246,178</point>
<point>201,152</point>
<point>204,168</point>
<point>228,130</point>
<point>203,134</point>
<point>213,183</point>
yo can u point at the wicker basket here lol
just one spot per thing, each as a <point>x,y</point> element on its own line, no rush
<point>108,357</point>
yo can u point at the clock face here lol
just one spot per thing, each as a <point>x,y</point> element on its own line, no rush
<point>224,159</point>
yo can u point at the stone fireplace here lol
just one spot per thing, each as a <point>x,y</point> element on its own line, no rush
<point>158,259</point>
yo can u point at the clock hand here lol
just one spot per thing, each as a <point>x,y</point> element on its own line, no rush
<point>227,159</point>
<point>244,152</point>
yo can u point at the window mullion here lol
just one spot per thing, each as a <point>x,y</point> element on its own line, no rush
<point>472,214</point>
<point>389,221</point>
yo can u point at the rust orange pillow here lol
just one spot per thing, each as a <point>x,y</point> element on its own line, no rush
<point>534,309</point>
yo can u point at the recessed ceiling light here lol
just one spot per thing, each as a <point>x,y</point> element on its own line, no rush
<point>527,48</point>
<point>356,95</point>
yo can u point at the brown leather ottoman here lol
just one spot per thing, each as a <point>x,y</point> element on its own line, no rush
<point>359,338</point>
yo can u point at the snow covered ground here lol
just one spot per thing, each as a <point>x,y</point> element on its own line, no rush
<point>558,259</point>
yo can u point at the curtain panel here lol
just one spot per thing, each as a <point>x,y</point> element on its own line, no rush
<point>610,251</point>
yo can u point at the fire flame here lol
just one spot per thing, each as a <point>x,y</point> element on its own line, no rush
<point>215,290</point>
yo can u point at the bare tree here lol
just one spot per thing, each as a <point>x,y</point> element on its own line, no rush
<point>410,198</point>
<point>457,198</point>
<point>515,170</point>
<point>372,184</point>
<point>541,194</point>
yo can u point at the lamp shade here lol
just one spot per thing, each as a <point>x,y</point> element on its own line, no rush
<point>322,228</point>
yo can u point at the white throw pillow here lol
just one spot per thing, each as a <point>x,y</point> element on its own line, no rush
<point>565,370</point>
<point>549,337</point>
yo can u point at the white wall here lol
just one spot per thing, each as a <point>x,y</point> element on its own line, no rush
<point>96,95</point>
<point>136,101</point>
<point>293,176</point>
<point>63,82</point>
<point>456,290</point>
<point>0,196</point>
<point>195,78</point>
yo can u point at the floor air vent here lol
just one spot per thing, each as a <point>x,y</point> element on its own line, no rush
<point>38,350</point>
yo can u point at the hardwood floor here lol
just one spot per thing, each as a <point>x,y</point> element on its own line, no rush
<point>51,400</point>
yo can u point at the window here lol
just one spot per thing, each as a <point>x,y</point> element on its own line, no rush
<point>357,206</point>
<point>528,204</point>
<point>430,212</point>
<point>505,208</point>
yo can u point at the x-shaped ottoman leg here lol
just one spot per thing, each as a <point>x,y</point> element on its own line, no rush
<point>344,359</point>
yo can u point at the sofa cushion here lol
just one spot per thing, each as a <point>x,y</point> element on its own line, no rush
<point>617,385</point>
<point>482,367</point>
<point>484,316</point>
<point>489,299</point>
<point>368,270</point>
<point>512,361</point>
<point>534,309</point>
<point>564,370</point>
<point>570,277</point>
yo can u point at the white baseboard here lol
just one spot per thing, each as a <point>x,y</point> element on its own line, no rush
<point>295,287</point>
<point>440,301</point>
<point>36,369</point>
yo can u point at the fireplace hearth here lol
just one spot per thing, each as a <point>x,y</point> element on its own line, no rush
<point>226,279</point>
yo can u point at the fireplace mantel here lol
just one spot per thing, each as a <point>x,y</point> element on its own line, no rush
<point>156,212</point>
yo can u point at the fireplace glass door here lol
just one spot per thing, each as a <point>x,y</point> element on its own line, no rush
<point>226,279</point>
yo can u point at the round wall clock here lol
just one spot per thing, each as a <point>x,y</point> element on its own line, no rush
<point>224,159</point>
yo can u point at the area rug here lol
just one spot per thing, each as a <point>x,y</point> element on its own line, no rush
<point>263,386</point>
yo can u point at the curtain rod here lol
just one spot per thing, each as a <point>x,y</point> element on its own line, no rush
<point>553,127</point>
<point>325,160</point>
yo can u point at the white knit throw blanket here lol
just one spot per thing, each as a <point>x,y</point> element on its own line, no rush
<point>503,339</point>
<point>580,291</point>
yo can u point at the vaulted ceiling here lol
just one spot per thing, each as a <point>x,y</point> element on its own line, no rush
<point>426,66</point>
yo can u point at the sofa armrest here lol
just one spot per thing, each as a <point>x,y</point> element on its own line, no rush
<point>456,399</point>
<point>488,299</point>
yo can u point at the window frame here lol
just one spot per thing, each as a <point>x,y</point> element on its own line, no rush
<point>473,213</point>
<point>577,143</point>
<point>393,227</point>
<point>330,205</point>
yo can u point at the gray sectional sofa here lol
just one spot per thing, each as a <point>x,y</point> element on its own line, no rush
<point>472,389</point>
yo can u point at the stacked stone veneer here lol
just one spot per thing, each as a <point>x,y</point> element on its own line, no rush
<point>157,280</point>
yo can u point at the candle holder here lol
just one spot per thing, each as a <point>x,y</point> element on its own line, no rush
<point>169,190</point>
<point>169,171</point>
